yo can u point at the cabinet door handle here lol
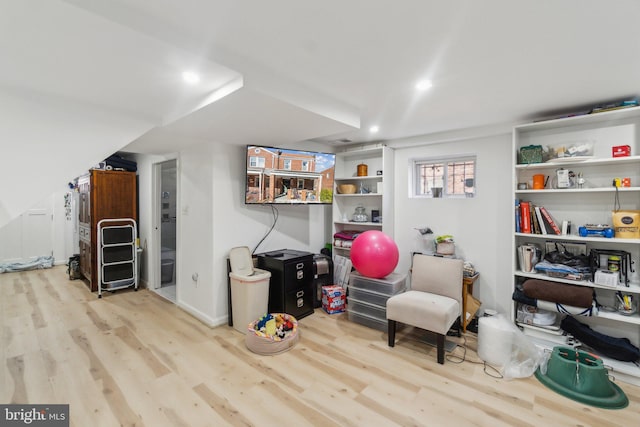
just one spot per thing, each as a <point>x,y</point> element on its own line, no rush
<point>299,266</point>
<point>299,294</point>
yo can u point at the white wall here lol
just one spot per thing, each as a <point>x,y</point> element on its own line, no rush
<point>59,237</point>
<point>481,225</point>
<point>55,139</point>
<point>212,218</point>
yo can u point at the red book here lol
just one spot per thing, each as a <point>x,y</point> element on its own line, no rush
<point>525,217</point>
<point>550,220</point>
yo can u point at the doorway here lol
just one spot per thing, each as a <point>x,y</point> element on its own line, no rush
<point>167,202</point>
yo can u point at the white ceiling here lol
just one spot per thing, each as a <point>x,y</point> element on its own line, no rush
<point>294,70</point>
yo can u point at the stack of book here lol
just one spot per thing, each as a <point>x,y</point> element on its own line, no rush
<point>532,219</point>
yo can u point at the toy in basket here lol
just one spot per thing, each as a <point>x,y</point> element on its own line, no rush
<point>273,333</point>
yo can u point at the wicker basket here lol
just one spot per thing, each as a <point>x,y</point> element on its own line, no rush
<point>346,189</point>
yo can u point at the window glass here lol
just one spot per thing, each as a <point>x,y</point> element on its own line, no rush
<point>256,162</point>
<point>450,178</point>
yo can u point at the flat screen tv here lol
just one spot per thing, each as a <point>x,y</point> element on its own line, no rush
<point>288,176</point>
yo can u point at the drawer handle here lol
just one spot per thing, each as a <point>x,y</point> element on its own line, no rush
<point>300,274</point>
<point>300,266</point>
<point>300,302</point>
<point>299,294</point>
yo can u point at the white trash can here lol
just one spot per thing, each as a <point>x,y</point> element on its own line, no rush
<point>249,289</point>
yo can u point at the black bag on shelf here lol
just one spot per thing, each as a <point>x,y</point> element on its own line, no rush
<point>562,256</point>
<point>616,348</point>
<point>118,162</point>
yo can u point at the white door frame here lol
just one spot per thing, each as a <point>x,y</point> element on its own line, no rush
<point>155,247</point>
<point>155,242</point>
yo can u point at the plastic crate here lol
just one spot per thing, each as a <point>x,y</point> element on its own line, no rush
<point>368,321</point>
<point>370,297</point>
<point>368,309</point>
<point>390,285</point>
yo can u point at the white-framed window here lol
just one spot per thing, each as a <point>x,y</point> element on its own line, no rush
<point>305,165</point>
<point>452,177</point>
<point>256,162</point>
<point>287,164</point>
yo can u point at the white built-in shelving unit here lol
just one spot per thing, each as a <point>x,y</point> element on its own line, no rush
<point>377,193</point>
<point>592,204</point>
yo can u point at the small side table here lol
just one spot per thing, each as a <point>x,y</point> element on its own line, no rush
<point>467,298</point>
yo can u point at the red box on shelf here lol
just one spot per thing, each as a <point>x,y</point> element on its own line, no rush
<point>621,151</point>
<point>333,299</point>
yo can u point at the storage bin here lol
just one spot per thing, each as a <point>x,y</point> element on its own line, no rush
<point>368,321</point>
<point>377,311</point>
<point>530,154</point>
<point>370,297</point>
<point>389,285</point>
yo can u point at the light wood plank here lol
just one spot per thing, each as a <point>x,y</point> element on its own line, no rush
<point>132,358</point>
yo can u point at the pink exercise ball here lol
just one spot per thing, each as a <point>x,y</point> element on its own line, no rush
<point>374,254</point>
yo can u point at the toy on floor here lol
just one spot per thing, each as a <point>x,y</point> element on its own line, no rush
<point>273,333</point>
<point>273,325</point>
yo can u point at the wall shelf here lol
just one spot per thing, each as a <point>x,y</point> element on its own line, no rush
<point>378,158</point>
<point>590,205</point>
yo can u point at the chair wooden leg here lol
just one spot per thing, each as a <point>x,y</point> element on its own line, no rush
<point>440,344</point>
<point>392,332</point>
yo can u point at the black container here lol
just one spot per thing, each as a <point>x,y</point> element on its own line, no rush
<point>291,283</point>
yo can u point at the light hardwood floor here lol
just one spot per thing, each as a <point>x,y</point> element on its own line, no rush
<point>131,358</point>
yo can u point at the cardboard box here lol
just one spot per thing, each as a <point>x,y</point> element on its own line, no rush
<point>333,299</point>
<point>621,151</point>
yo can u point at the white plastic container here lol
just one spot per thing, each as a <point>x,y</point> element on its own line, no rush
<point>249,289</point>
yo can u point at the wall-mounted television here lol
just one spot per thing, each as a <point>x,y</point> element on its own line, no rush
<point>288,176</point>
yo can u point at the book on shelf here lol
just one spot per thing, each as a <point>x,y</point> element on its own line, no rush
<point>549,219</point>
<point>543,228</point>
<point>535,227</point>
<point>525,217</point>
<point>617,105</point>
<point>532,219</point>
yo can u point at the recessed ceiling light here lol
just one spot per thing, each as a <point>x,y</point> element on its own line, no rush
<point>374,129</point>
<point>190,77</point>
<point>423,84</point>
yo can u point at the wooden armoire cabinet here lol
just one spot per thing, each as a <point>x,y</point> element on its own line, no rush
<point>102,194</point>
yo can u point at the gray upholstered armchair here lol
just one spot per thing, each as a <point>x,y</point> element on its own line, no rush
<point>434,301</point>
